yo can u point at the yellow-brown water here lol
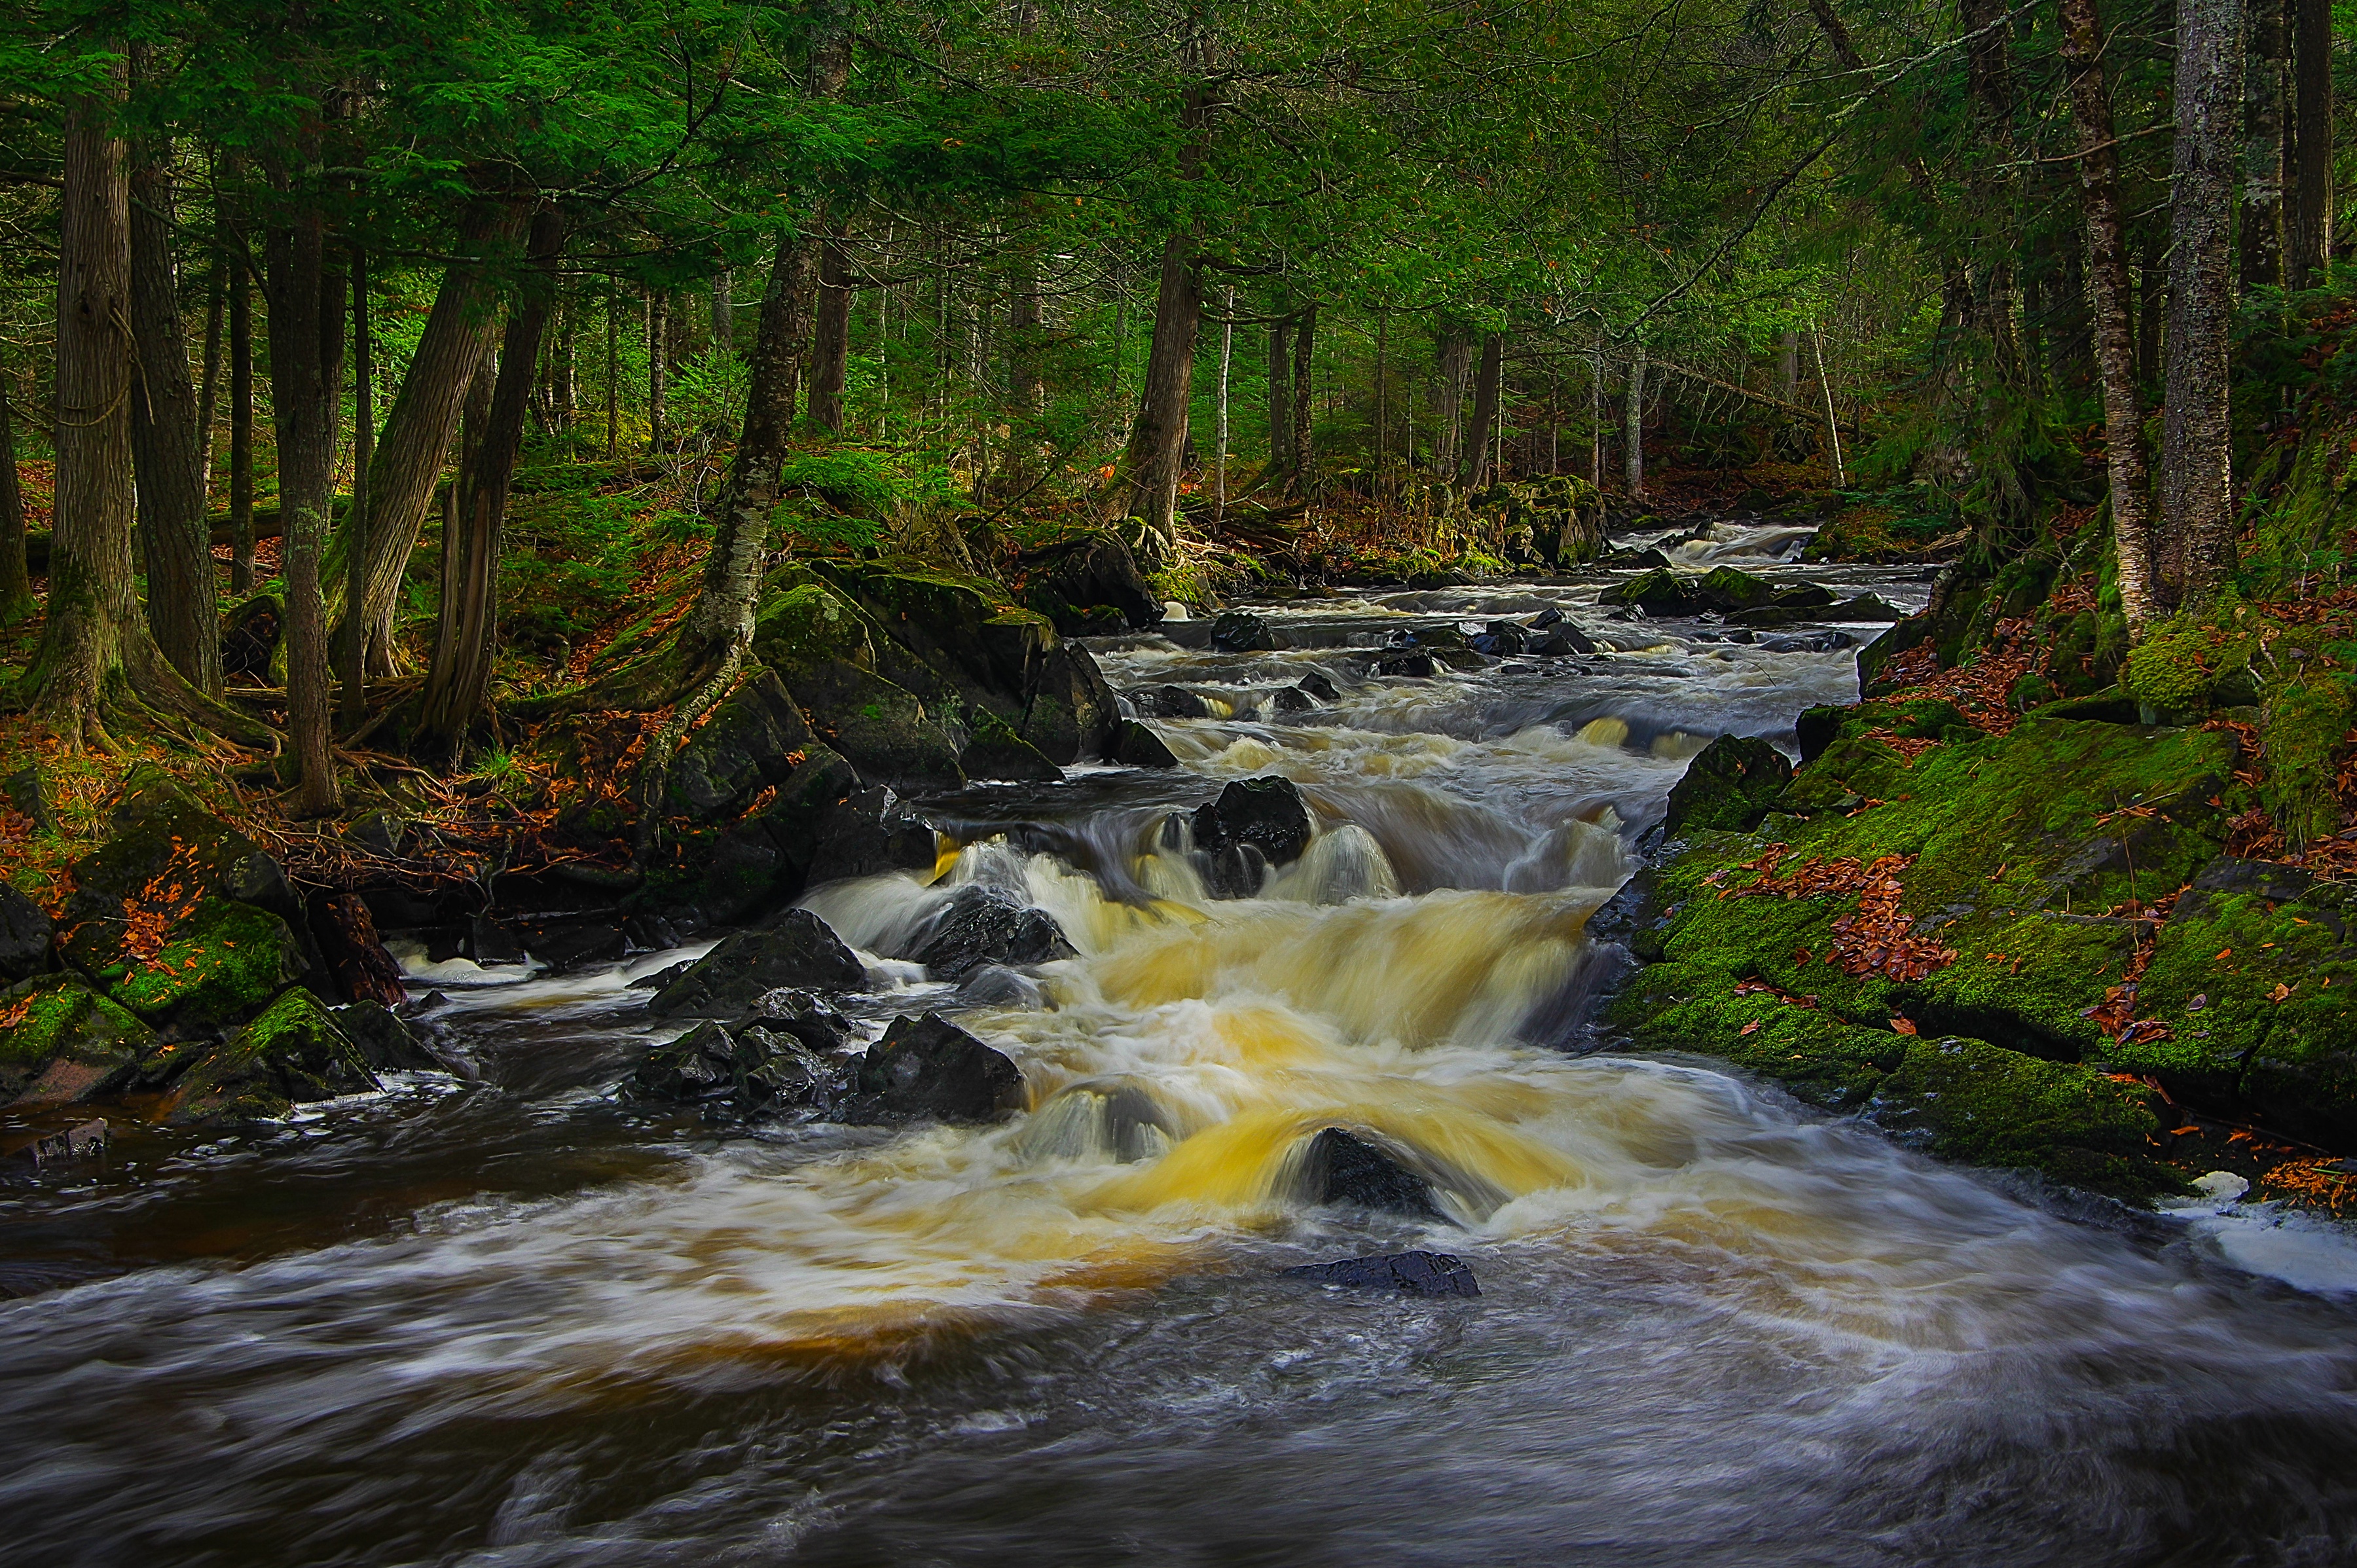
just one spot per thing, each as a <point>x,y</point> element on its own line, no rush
<point>520,1324</point>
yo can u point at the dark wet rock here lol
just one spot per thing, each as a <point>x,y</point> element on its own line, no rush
<point>2228,877</point>
<point>1341,1167</point>
<point>293,1054</point>
<point>1317,684</point>
<point>808,1018</point>
<point>60,1042</point>
<point>1413,666</point>
<point>1812,642</point>
<point>756,739</point>
<point>1565,638</point>
<point>929,1067</point>
<point>1865,607</point>
<point>1730,784</point>
<point>994,985</point>
<point>1660,593</point>
<point>1241,632</point>
<point>1412,1274</point>
<point>386,1041</point>
<point>883,729</point>
<point>569,941</point>
<point>982,926</point>
<point>24,932</point>
<point>1138,747</point>
<point>752,1070</point>
<point>663,976</point>
<point>1076,582</point>
<point>1432,639</point>
<point>1265,813</point>
<point>798,951</point>
<point>995,750</point>
<point>1508,637</point>
<point>1543,619</point>
<point>1731,588</point>
<point>346,934</point>
<point>490,940</point>
<point>1290,700</point>
<point>1168,702</point>
<point>1236,871</point>
<point>871,831</point>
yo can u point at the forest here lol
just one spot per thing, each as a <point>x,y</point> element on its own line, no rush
<point>1084,659</point>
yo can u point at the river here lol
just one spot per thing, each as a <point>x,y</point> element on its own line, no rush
<point>521,1322</point>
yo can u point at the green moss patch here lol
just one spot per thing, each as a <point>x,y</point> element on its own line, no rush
<point>292,1054</point>
<point>60,1040</point>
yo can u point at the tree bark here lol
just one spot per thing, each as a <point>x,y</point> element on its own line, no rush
<point>304,292</point>
<point>1280,395</point>
<point>459,684</point>
<point>165,437</point>
<point>17,601</point>
<point>1157,441</point>
<point>2308,236</point>
<point>1455,365</point>
<point>613,367</point>
<point>352,643</point>
<point>209,389</point>
<point>830,336</point>
<point>2107,294</point>
<point>240,426</point>
<point>658,356</point>
<point>1475,467</point>
<point>2152,300</point>
<point>1633,456</point>
<point>2195,546</point>
<point>1305,446</point>
<point>2266,90</point>
<point>408,461</point>
<point>724,311</point>
<point>1220,440</point>
<point>1023,322</point>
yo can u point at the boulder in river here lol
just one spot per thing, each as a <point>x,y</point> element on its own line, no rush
<point>24,932</point>
<point>930,1068</point>
<point>1659,593</point>
<point>386,1041</point>
<point>1412,1274</point>
<point>1566,639</point>
<point>1413,666</point>
<point>752,1070</point>
<point>806,1017</point>
<point>1339,1166</point>
<point>293,1054</point>
<point>1730,784</point>
<point>1241,632</point>
<point>1319,684</point>
<point>1089,585</point>
<point>1267,813</point>
<point>1168,702</point>
<point>797,951</point>
<point>60,1042</point>
<point>1138,747</point>
<point>982,926</point>
<point>756,739</point>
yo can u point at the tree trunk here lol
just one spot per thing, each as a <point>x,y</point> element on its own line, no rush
<point>1220,439</point>
<point>1787,365</point>
<point>1023,323</point>
<point>408,461</point>
<point>240,426</point>
<point>1157,441</point>
<point>1596,420</point>
<point>459,682</point>
<point>2307,238</point>
<point>830,337</point>
<point>2195,546</point>
<point>2107,291</point>
<point>1280,395</point>
<point>352,645</point>
<point>165,438</point>
<point>208,390</point>
<point>1454,366</point>
<point>613,367</point>
<point>2266,90</point>
<point>17,601</point>
<point>2152,300</point>
<point>1633,456</point>
<point>724,311</point>
<point>1475,467</point>
<point>1304,447</point>
<point>658,353</point>
<point>305,292</point>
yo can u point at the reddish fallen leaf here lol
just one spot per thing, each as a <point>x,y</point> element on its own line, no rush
<point>1748,1029</point>
<point>1904,1027</point>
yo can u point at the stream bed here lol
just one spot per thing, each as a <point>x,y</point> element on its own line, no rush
<point>523,1321</point>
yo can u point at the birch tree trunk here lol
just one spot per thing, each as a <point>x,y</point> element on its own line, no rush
<point>658,357</point>
<point>2107,295</point>
<point>1219,451</point>
<point>1633,455</point>
<point>2195,546</point>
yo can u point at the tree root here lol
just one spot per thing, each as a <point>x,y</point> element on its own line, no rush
<point>654,765</point>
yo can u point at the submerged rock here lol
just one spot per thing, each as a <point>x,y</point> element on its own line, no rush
<point>1338,1166</point>
<point>1415,1273</point>
<point>982,926</point>
<point>1317,684</point>
<point>798,950</point>
<point>997,986</point>
<point>929,1067</point>
<point>1731,783</point>
<point>1265,813</point>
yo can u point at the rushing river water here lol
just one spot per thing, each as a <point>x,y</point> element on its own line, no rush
<point>519,1322</point>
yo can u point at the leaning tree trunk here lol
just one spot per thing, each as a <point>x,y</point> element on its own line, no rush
<point>2107,293</point>
<point>2308,229</point>
<point>2196,542</point>
<point>165,438</point>
<point>2266,92</point>
<point>1474,469</point>
<point>459,682</point>
<point>409,457</point>
<point>17,601</point>
<point>1633,456</point>
<point>830,337</point>
<point>1148,487</point>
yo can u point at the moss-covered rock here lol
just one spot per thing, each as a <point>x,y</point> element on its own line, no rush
<point>61,1041</point>
<point>292,1054</point>
<point>2307,725</point>
<point>219,963</point>
<point>1730,783</point>
<point>755,739</point>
